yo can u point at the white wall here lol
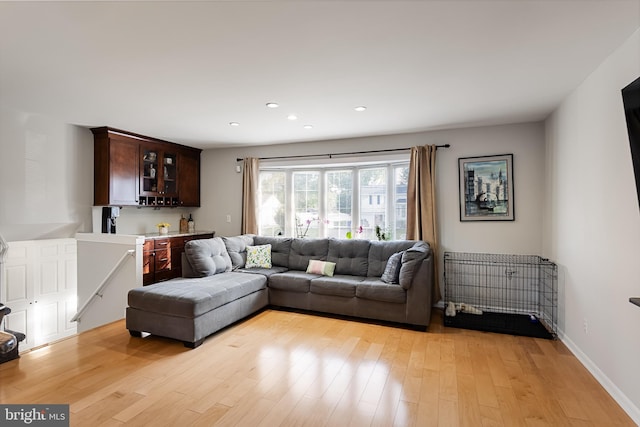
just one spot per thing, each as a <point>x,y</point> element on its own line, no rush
<point>593,227</point>
<point>222,185</point>
<point>46,182</point>
<point>522,236</point>
<point>46,178</point>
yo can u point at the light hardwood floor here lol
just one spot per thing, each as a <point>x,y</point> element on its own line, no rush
<point>281,368</point>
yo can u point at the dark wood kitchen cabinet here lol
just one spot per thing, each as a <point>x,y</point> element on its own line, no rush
<point>189,178</point>
<point>137,170</point>
<point>115,169</point>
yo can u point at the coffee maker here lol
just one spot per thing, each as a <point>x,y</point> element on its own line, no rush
<point>109,215</point>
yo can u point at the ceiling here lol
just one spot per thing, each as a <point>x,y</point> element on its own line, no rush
<point>182,71</point>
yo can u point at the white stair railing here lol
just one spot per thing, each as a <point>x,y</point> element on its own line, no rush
<point>101,287</point>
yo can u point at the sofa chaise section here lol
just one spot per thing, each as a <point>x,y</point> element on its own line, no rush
<point>190,309</point>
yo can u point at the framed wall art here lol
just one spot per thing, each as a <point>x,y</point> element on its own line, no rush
<point>486,188</point>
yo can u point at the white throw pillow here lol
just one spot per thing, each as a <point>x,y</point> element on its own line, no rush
<point>258,256</point>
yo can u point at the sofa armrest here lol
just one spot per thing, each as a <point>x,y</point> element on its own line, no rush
<point>419,294</point>
<point>187,269</point>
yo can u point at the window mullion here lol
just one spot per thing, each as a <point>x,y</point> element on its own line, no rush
<point>355,219</point>
<point>290,207</point>
<point>391,198</point>
<point>322,203</point>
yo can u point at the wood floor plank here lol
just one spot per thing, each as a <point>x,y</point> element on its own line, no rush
<point>406,414</point>
<point>468,404</point>
<point>491,417</point>
<point>428,415</point>
<point>281,368</point>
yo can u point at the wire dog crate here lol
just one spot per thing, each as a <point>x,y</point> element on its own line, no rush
<point>512,294</point>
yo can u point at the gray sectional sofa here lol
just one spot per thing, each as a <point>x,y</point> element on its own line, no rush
<point>388,281</point>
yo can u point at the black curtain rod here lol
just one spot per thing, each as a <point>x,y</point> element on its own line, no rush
<point>339,154</point>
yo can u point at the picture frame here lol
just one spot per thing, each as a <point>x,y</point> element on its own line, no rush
<point>486,188</point>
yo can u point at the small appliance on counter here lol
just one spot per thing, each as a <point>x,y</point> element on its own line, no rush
<point>109,215</point>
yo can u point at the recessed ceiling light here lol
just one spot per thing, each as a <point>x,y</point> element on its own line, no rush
<point>360,108</point>
<point>234,124</point>
<point>272,105</point>
<point>308,126</point>
<point>292,117</point>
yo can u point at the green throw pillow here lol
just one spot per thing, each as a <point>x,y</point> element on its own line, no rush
<point>258,256</point>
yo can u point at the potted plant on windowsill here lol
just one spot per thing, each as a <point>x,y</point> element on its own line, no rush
<point>303,228</point>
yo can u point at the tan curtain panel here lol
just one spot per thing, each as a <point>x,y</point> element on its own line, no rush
<point>250,180</point>
<point>421,204</point>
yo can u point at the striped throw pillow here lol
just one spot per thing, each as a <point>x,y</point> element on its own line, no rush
<point>324,268</point>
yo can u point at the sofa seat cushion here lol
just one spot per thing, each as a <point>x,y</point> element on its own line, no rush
<point>339,285</point>
<point>193,297</point>
<point>376,289</point>
<point>264,271</point>
<point>294,281</point>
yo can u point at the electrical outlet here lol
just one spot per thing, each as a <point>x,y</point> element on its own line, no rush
<point>585,324</point>
<point>228,218</point>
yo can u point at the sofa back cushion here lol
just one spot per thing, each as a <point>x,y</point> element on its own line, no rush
<point>351,256</point>
<point>302,250</point>
<point>411,260</point>
<point>380,251</point>
<point>237,249</point>
<point>280,248</point>
<point>207,256</point>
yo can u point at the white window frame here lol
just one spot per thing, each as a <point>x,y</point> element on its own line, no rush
<point>354,167</point>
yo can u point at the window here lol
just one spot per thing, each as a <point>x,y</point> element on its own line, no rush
<point>339,196</point>
<point>373,184</point>
<point>332,202</point>
<point>272,202</point>
<point>400,181</point>
<point>306,198</point>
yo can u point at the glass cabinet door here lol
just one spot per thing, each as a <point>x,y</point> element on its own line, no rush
<point>158,178</point>
<point>149,171</point>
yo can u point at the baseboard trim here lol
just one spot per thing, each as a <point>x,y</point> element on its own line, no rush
<point>627,405</point>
